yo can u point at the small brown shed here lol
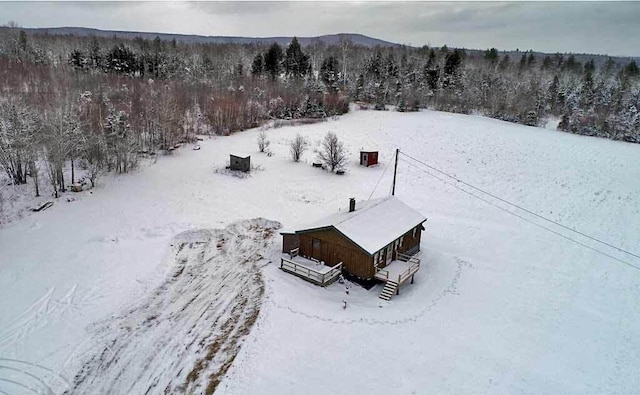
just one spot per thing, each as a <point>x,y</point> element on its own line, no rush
<point>368,158</point>
<point>365,238</point>
<point>240,163</point>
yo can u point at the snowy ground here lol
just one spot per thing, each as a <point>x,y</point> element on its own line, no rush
<point>498,306</point>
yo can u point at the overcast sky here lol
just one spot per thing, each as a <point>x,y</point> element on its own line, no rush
<point>592,27</point>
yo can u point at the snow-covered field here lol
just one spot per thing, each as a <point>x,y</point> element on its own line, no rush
<point>499,305</point>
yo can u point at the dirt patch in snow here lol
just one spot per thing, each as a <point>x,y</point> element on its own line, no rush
<point>185,335</point>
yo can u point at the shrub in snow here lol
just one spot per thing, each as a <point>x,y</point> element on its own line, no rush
<point>531,119</point>
<point>263,143</point>
<point>297,147</point>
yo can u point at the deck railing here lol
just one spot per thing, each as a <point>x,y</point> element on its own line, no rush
<point>407,258</point>
<point>320,278</point>
<point>404,276</point>
<point>383,274</point>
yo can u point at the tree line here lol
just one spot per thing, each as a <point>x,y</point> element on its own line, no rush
<point>101,103</point>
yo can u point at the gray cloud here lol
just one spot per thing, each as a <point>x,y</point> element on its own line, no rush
<point>239,7</point>
<point>597,27</point>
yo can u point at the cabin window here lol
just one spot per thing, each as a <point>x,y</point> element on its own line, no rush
<point>375,257</point>
<point>380,256</point>
<point>401,241</point>
<point>415,230</point>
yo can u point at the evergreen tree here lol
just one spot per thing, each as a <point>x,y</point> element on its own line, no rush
<point>632,69</point>
<point>558,60</point>
<point>589,67</point>
<point>572,64</point>
<point>329,73</point>
<point>257,67</point>
<point>587,92</point>
<point>77,59</point>
<point>432,77</point>
<point>360,87</point>
<point>239,70</point>
<point>451,67</point>
<point>452,63</point>
<point>374,68</point>
<point>296,62</point>
<point>95,57</point>
<point>491,55</point>
<point>273,60</point>
<point>504,63</point>
<point>523,63</point>
<point>391,69</point>
<point>431,61</point>
<point>552,93</point>
<point>121,60</point>
<point>609,66</point>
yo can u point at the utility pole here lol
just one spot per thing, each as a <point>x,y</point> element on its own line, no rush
<point>395,171</point>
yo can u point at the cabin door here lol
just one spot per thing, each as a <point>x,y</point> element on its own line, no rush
<point>315,249</point>
<point>389,254</point>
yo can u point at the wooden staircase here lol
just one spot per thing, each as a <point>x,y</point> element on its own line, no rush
<point>390,289</point>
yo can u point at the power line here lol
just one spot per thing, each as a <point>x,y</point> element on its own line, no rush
<point>379,179</point>
<point>525,219</point>
<point>522,208</point>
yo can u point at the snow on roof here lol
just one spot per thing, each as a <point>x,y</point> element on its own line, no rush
<point>374,223</point>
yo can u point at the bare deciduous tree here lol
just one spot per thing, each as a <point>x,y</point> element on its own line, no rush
<point>263,143</point>
<point>297,147</point>
<point>333,154</point>
<point>18,131</point>
<point>60,138</point>
<point>344,43</point>
<point>34,171</point>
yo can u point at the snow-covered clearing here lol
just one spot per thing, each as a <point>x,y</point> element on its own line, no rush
<point>498,306</point>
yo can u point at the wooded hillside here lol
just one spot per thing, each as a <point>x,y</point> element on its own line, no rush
<point>101,102</point>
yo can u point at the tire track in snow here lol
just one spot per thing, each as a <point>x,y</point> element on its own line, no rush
<point>29,321</point>
<point>184,336</point>
<point>32,377</point>
<point>42,312</point>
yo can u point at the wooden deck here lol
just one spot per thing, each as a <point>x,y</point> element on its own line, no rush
<point>400,277</point>
<point>318,277</point>
<point>394,276</point>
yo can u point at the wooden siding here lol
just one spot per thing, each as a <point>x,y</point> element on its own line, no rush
<point>368,158</point>
<point>409,242</point>
<point>331,247</point>
<point>335,248</point>
<point>290,241</point>
<point>410,245</point>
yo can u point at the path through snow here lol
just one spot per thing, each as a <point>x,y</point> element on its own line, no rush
<point>184,336</point>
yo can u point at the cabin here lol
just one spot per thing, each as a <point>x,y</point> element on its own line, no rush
<point>370,240</point>
<point>240,163</point>
<point>368,158</point>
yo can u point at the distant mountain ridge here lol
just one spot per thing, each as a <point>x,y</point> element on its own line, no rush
<point>328,39</point>
<point>356,39</point>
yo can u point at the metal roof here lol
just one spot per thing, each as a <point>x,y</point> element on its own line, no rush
<point>374,223</point>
